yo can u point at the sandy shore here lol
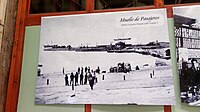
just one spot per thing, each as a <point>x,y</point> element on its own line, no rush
<point>137,88</point>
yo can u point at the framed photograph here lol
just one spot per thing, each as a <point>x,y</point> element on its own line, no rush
<point>187,35</point>
<point>105,58</point>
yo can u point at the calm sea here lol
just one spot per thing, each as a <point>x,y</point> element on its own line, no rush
<point>54,61</point>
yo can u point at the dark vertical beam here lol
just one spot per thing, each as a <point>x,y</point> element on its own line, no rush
<point>54,6</point>
<point>135,3</point>
<point>16,61</point>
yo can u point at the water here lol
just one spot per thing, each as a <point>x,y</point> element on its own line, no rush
<point>54,61</point>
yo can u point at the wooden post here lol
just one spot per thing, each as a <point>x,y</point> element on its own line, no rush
<point>169,11</point>
<point>150,75</point>
<point>88,108</point>
<point>167,108</point>
<point>2,17</point>
<point>89,8</point>
<point>17,50</point>
<point>3,74</point>
<point>158,2</point>
<point>47,81</point>
<point>1,32</point>
<point>89,5</point>
<point>8,9</point>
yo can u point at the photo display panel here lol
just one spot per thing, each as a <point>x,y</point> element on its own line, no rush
<point>187,36</point>
<point>105,58</point>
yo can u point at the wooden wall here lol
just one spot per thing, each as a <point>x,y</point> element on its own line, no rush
<point>8,10</point>
<point>2,17</point>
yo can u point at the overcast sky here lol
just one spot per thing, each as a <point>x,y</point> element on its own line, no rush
<point>101,28</point>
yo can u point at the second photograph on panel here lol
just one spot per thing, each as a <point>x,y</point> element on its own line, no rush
<point>187,35</point>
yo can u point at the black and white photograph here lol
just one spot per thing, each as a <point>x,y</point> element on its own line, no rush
<point>187,35</point>
<point>105,58</point>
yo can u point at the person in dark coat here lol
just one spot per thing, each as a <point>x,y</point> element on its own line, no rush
<point>91,80</point>
<point>63,71</point>
<point>137,68</point>
<point>81,78</point>
<point>82,69</point>
<point>39,72</point>
<point>79,69</point>
<point>183,77</point>
<point>72,79</point>
<point>86,69</point>
<point>76,79</point>
<point>85,80</point>
<point>66,80</point>
<point>192,73</point>
<point>95,77</point>
<point>98,70</point>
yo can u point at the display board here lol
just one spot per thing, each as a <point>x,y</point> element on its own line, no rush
<point>187,34</point>
<point>105,58</point>
<point>28,82</point>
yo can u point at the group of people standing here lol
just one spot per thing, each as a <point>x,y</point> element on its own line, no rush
<point>82,76</point>
<point>190,77</point>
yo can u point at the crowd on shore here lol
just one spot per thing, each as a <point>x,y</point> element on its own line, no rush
<point>81,77</point>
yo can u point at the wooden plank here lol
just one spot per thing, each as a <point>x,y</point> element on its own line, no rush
<point>89,8</point>
<point>158,3</point>
<point>3,77</point>
<point>6,51</point>
<point>35,19</point>
<point>88,108</point>
<point>2,10</point>
<point>89,5</point>
<point>16,61</point>
<point>167,108</point>
<point>169,11</point>
<point>28,7</point>
<point>125,9</point>
<point>1,34</point>
<point>2,16</point>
